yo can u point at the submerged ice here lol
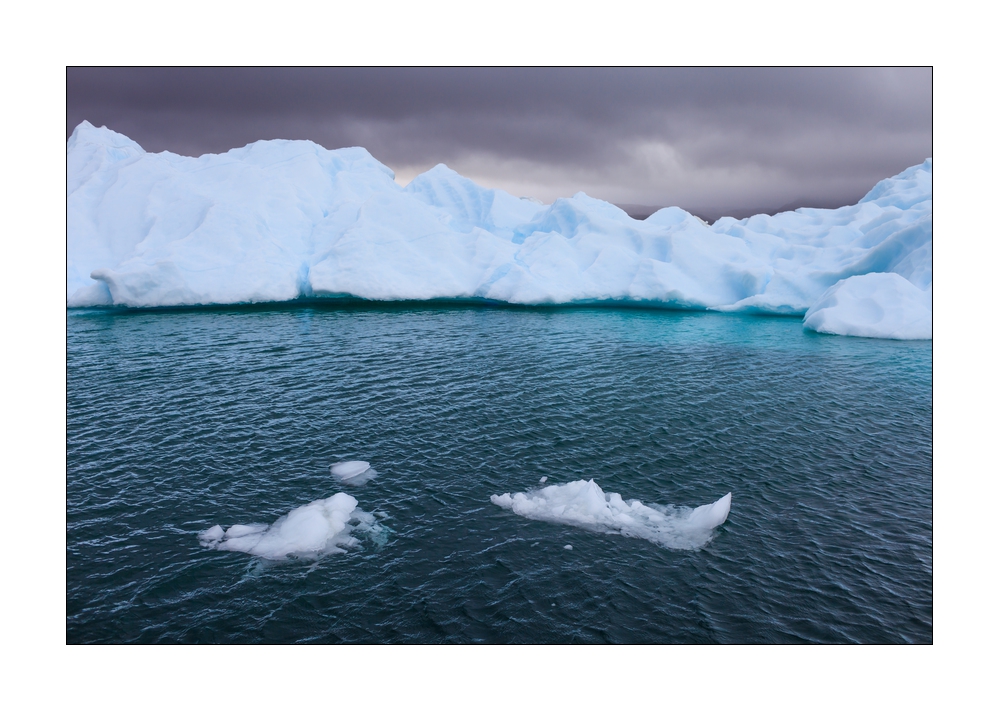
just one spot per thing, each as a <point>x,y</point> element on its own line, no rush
<point>584,504</point>
<point>353,472</point>
<point>277,220</point>
<point>310,531</point>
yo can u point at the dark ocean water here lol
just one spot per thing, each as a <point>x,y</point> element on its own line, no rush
<point>179,420</point>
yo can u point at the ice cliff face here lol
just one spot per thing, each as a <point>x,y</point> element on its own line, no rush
<point>277,220</point>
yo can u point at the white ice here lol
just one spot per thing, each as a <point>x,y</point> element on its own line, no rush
<point>346,470</point>
<point>354,473</point>
<point>310,531</point>
<point>880,305</point>
<point>277,220</point>
<point>584,504</point>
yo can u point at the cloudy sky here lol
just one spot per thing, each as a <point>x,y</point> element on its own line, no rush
<point>714,141</point>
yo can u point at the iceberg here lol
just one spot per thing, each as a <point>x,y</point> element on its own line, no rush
<point>585,505</point>
<point>310,531</point>
<point>281,220</point>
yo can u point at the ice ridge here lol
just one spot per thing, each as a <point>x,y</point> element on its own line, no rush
<point>278,220</point>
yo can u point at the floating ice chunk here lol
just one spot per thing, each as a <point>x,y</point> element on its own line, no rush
<point>212,535</point>
<point>354,473</point>
<point>584,504</point>
<point>240,530</point>
<point>711,515</point>
<point>310,531</point>
<point>567,547</point>
<point>542,480</point>
<point>346,470</point>
<point>883,305</point>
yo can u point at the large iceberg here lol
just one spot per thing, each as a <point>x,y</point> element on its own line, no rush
<point>279,220</point>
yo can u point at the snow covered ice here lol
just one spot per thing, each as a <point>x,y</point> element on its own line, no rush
<point>879,305</point>
<point>310,531</point>
<point>584,504</point>
<point>278,220</point>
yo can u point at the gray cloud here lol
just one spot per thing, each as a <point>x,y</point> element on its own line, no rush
<point>713,140</point>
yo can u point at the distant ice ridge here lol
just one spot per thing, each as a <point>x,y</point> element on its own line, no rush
<point>311,531</point>
<point>584,504</point>
<point>278,220</point>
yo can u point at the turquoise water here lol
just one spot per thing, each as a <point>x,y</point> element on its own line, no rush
<point>181,419</point>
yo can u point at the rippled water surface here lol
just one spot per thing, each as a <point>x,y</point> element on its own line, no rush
<point>179,420</point>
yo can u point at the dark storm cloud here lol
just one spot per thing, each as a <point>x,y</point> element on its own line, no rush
<point>710,139</point>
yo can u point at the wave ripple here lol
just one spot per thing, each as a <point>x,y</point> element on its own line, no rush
<point>180,420</point>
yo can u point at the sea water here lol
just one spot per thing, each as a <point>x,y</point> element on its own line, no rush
<point>180,420</point>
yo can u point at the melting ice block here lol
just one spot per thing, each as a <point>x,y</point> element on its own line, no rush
<point>584,504</point>
<point>346,470</point>
<point>310,531</point>
<point>353,472</point>
<point>711,515</point>
<point>278,220</point>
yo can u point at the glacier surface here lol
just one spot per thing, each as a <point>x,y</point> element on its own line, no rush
<point>279,220</point>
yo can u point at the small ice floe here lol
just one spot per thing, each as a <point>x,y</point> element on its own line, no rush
<point>584,504</point>
<point>568,548</point>
<point>542,480</point>
<point>316,529</point>
<point>354,473</point>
